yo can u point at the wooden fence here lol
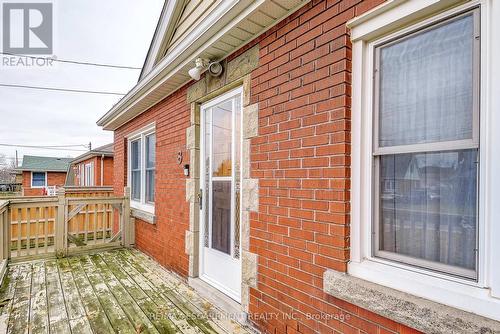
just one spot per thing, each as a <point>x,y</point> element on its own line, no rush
<point>46,226</point>
<point>77,191</point>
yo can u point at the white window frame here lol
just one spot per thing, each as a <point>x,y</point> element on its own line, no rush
<point>89,176</point>
<point>393,18</point>
<point>140,134</point>
<point>38,187</point>
<point>431,147</point>
<point>81,174</point>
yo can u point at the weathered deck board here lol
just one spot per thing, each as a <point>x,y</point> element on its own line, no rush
<point>111,306</point>
<point>58,315</point>
<point>133,311</point>
<point>95,313</point>
<point>19,316</point>
<point>163,325</point>
<point>119,291</point>
<point>164,308</point>
<point>38,315</point>
<point>7,298</point>
<point>76,311</point>
<point>170,291</point>
<point>200,305</point>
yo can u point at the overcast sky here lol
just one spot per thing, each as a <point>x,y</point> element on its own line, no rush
<point>114,32</point>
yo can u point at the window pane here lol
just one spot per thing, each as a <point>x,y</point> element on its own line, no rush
<point>136,185</point>
<point>150,166</point>
<point>38,179</point>
<point>89,175</point>
<point>221,216</point>
<point>135,165</point>
<point>135,154</point>
<point>150,151</point>
<point>150,185</point>
<point>428,206</point>
<point>426,86</point>
<point>221,145</point>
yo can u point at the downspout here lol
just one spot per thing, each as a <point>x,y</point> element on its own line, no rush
<point>102,170</point>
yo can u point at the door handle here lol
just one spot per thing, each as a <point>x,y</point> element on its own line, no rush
<point>200,198</point>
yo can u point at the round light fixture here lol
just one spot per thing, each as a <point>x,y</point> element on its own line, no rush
<point>215,69</point>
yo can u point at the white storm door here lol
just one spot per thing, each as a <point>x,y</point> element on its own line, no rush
<point>220,261</point>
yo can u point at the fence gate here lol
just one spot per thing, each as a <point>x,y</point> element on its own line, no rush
<point>44,226</point>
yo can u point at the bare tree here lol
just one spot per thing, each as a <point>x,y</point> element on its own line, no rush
<point>6,169</point>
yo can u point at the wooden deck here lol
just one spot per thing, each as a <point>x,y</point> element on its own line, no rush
<point>120,291</point>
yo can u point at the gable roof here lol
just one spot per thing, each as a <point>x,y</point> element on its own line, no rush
<point>106,150</point>
<point>225,28</point>
<point>171,12</point>
<point>44,164</point>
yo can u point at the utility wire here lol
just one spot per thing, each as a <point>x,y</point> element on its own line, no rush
<point>45,146</point>
<point>74,61</point>
<point>61,89</point>
<point>59,148</point>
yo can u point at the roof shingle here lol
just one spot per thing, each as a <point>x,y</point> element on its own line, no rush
<point>44,164</point>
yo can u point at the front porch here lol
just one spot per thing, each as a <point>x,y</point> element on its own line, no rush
<point>115,291</point>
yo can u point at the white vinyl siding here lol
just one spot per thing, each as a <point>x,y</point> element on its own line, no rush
<point>193,12</point>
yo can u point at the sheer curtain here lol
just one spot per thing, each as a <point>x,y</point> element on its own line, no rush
<point>430,212</point>
<point>427,207</point>
<point>426,86</point>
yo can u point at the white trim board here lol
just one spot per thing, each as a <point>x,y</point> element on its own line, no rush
<point>39,187</point>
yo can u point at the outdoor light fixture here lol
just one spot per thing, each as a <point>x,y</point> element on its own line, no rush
<point>214,68</point>
<point>186,170</point>
<point>201,65</point>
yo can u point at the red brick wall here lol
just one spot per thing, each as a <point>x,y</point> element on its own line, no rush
<point>165,240</point>
<point>302,160</point>
<point>53,179</point>
<point>108,171</point>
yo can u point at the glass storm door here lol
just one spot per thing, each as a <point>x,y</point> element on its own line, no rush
<point>220,263</point>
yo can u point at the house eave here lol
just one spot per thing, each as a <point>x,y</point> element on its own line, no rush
<point>171,72</point>
<point>163,32</point>
<point>91,155</point>
<point>41,170</point>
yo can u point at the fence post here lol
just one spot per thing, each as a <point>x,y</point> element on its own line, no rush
<point>3,236</point>
<point>8,232</point>
<point>126,223</point>
<point>60,224</point>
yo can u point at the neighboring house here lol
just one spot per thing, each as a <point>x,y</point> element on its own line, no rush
<point>42,173</point>
<point>18,176</point>
<point>93,168</point>
<point>343,163</point>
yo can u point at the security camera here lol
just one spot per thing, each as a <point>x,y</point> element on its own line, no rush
<point>215,69</point>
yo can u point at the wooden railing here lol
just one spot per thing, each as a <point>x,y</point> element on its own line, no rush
<point>45,226</point>
<point>77,191</point>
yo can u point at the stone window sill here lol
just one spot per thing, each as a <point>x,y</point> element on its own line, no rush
<point>415,312</point>
<point>143,215</point>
